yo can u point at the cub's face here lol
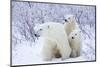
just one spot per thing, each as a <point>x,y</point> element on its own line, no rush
<point>74,35</point>
<point>40,29</point>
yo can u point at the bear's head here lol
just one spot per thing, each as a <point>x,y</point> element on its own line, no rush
<point>74,35</point>
<point>70,18</point>
<point>41,29</point>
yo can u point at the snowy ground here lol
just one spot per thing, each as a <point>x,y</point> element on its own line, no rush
<point>24,54</point>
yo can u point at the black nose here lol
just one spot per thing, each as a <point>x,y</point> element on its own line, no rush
<point>72,37</point>
<point>36,35</point>
<point>65,20</point>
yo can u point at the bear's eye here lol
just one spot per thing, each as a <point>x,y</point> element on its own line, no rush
<point>75,34</point>
<point>48,26</point>
<point>72,37</point>
<point>69,18</point>
<point>65,20</point>
<point>40,29</point>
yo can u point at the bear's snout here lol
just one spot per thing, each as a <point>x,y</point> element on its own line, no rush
<point>66,20</point>
<point>37,35</point>
<point>72,37</point>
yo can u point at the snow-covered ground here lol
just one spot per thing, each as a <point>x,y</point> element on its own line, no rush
<point>26,48</point>
<point>25,54</point>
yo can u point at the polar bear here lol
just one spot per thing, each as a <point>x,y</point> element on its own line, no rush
<point>75,43</point>
<point>55,41</point>
<point>70,24</point>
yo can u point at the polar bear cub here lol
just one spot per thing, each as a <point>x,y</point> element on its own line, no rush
<point>70,23</point>
<point>75,43</point>
<point>55,40</point>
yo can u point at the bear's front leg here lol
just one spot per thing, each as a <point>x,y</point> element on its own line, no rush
<point>47,50</point>
<point>73,53</point>
<point>65,52</point>
<point>78,53</point>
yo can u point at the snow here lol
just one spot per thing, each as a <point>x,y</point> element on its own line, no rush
<point>26,48</point>
<point>25,54</point>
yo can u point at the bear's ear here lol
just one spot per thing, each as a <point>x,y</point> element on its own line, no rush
<point>75,18</point>
<point>48,26</point>
<point>75,34</point>
<point>68,18</point>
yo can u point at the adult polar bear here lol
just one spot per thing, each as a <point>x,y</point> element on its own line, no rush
<point>55,39</point>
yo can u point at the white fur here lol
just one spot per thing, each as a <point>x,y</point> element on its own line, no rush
<point>75,43</point>
<point>54,36</point>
